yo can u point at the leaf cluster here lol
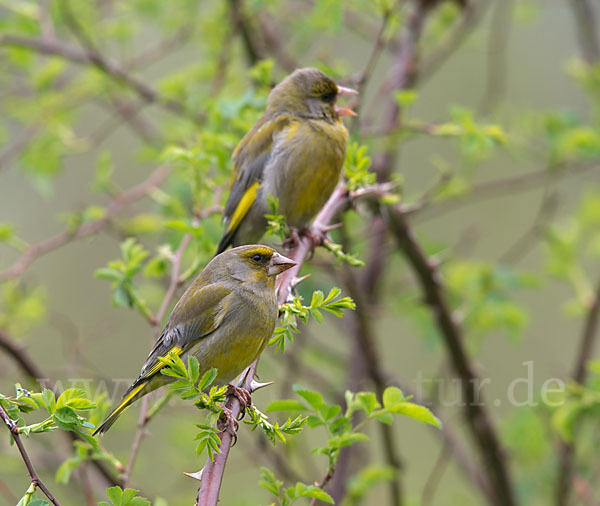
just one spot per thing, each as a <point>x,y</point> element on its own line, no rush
<point>293,311</point>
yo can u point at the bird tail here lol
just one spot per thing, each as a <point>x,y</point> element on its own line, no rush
<point>239,213</point>
<point>225,241</point>
<point>135,391</point>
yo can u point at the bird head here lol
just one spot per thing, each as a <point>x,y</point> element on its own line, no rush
<point>254,263</point>
<point>310,93</point>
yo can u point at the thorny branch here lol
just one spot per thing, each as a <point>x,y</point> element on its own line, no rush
<point>35,479</point>
<point>212,473</point>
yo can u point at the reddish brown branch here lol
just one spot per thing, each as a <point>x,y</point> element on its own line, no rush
<point>90,228</point>
<point>212,473</point>
<point>35,479</point>
<point>477,416</point>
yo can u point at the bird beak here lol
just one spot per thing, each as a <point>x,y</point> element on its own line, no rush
<point>279,264</point>
<point>342,90</point>
<point>345,111</point>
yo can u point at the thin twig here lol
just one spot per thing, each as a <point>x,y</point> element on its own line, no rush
<point>34,373</point>
<point>497,68</point>
<point>253,47</point>
<point>566,451</point>
<point>20,356</point>
<point>587,32</point>
<point>511,185</point>
<point>96,59</point>
<point>323,483</point>
<point>366,339</point>
<point>471,16</point>
<point>35,479</point>
<point>90,228</point>
<point>22,139</point>
<point>531,236</point>
<point>144,417</point>
<point>435,476</point>
<point>477,416</point>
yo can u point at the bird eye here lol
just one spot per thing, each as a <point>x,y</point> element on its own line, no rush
<point>257,257</point>
<point>328,97</point>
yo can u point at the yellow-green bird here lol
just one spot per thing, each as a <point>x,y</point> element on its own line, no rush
<point>224,319</point>
<point>294,152</point>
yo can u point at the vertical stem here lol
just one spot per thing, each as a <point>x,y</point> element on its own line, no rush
<point>478,419</point>
<point>566,451</point>
<point>12,427</point>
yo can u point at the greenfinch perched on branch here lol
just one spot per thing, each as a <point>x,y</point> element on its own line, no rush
<point>224,319</point>
<point>294,152</point>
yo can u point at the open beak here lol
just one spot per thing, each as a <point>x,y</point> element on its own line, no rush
<point>344,111</point>
<point>342,90</point>
<point>279,264</point>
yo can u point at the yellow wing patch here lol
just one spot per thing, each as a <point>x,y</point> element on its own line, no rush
<point>242,208</point>
<point>159,365</point>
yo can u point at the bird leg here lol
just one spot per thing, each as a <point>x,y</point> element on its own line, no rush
<point>227,422</point>
<point>292,240</point>
<point>317,237</point>
<point>242,395</point>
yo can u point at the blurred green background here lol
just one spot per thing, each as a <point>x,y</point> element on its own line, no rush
<point>80,334</point>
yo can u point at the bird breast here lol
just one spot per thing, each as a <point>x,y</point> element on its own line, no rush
<point>307,160</point>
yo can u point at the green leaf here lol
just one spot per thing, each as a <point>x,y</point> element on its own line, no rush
<point>49,400</point>
<point>108,273</point>
<point>314,492</point>
<point>193,369</point>
<point>74,398</point>
<point>66,468</point>
<point>315,399</point>
<point>420,413</point>
<point>207,378</point>
<point>392,396</point>
<point>269,482</point>
<point>65,418</point>
<point>367,401</point>
<point>114,495</point>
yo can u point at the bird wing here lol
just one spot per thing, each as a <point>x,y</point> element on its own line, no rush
<point>249,160</point>
<point>200,315</point>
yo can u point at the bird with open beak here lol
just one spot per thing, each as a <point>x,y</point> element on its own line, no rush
<point>295,152</point>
